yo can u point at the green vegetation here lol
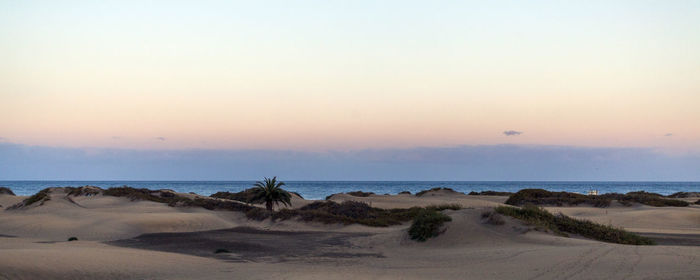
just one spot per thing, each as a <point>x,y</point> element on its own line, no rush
<point>651,199</point>
<point>493,218</point>
<point>221,251</point>
<point>405,192</point>
<point>328,212</point>
<point>73,238</point>
<point>495,193</point>
<point>271,193</point>
<point>162,196</point>
<point>348,212</point>
<point>5,190</point>
<point>562,224</point>
<point>40,197</point>
<point>244,196</point>
<point>427,224</point>
<point>697,202</point>
<point>360,193</point>
<point>83,191</point>
<point>544,197</point>
<point>684,194</point>
<point>421,193</point>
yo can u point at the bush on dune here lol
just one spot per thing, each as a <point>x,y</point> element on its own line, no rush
<point>40,197</point>
<point>360,193</point>
<point>347,212</point>
<point>651,199</point>
<point>562,224</point>
<point>244,196</point>
<point>492,218</point>
<point>5,190</point>
<point>140,194</point>
<point>684,194</point>
<point>544,197</point>
<point>427,224</point>
<point>83,191</point>
<point>494,193</point>
<point>423,192</point>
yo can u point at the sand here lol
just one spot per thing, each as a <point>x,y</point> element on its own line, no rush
<point>124,239</point>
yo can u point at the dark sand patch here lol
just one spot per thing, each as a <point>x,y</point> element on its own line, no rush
<point>249,244</point>
<point>673,239</point>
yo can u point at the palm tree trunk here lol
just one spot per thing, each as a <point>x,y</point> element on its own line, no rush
<point>268,205</point>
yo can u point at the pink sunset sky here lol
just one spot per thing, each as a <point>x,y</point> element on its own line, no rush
<point>324,76</point>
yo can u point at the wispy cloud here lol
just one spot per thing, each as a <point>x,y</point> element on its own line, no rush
<point>116,138</point>
<point>160,138</point>
<point>512,133</point>
<point>668,134</point>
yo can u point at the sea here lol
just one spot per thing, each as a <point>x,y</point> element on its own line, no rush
<point>321,189</point>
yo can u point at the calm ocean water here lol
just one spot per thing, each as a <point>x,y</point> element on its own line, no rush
<point>321,189</point>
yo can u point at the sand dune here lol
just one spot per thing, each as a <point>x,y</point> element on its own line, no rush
<point>124,239</point>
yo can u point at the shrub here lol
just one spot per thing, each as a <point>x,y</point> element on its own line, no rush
<point>39,197</point>
<point>544,197</point>
<point>562,224</point>
<point>138,194</point>
<point>246,196</point>
<point>684,194</point>
<point>348,212</point>
<point>221,251</point>
<point>73,238</point>
<point>495,193</point>
<point>5,190</point>
<point>257,214</point>
<point>427,224</point>
<point>440,207</point>
<point>405,192</point>
<point>360,193</point>
<point>651,199</point>
<point>421,193</point>
<point>697,202</point>
<point>492,218</point>
<point>83,191</point>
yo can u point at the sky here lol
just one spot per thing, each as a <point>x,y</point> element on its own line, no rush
<point>129,80</point>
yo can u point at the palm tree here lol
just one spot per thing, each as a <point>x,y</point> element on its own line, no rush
<point>270,191</point>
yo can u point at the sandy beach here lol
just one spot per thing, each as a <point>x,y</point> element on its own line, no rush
<point>119,238</point>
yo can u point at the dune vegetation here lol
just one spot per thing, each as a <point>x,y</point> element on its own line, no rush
<point>544,197</point>
<point>427,224</point>
<point>494,193</point>
<point>423,192</point>
<point>564,225</point>
<point>7,191</point>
